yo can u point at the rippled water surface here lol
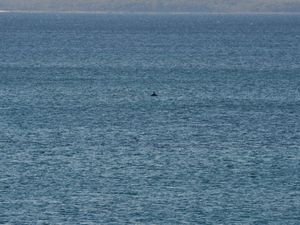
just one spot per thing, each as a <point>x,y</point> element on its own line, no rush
<point>83,142</point>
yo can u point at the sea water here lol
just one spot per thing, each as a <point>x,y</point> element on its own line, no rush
<point>83,142</point>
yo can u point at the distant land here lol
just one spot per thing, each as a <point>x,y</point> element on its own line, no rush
<point>229,6</point>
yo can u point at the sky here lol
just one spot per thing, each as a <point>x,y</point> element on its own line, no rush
<point>154,5</point>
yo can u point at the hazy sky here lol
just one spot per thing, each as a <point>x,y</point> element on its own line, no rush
<point>155,5</point>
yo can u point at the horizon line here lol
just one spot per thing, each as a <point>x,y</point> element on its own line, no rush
<point>142,12</point>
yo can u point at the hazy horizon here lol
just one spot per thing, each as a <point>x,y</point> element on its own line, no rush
<point>200,6</point>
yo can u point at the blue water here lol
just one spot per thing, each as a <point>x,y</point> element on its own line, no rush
<point>83,142</point>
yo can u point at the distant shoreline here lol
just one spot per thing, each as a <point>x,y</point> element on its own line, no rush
<point>149,13</point>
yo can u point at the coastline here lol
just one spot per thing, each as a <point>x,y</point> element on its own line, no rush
<point>146,12</point>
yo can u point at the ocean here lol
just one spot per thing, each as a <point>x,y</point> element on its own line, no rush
<point>82,141</point>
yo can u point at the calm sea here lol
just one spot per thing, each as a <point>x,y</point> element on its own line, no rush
<point>83,142</point>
